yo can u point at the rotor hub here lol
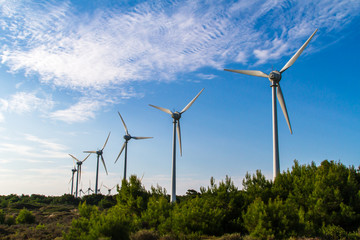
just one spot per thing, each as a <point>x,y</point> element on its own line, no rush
<point>99,152</point>
<point>275,76</point>
<point>176,115</point>
<point>127,137</point>
<point>79,163</point>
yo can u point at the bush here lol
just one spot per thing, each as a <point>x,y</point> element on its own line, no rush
<point>25,216</point>
<point>2,217</point>
<point>144,235</point>
<point>10,220</point>
<point>333,232</point>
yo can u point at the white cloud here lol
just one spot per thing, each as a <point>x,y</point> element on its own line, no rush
<point>113,47</point>
<point>206,76</point>
<point>45,143</point>
<point>24,102</point>
<point>83,110</point>
<point>30,148</point>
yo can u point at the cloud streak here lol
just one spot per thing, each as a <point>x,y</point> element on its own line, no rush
<point>153,42</point>
<point>25,102</point>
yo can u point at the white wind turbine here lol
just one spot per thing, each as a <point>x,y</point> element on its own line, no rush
<point>176,123</point>
<point>73,170</point>
<point>275,77</point>
<point>109,189</point>
<point>99,155</point>
<point>127,138</point>
<point>78,174</point>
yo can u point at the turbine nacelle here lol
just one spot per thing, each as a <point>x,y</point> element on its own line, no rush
<point>127,137</point>
<point>275,76</point>
<point>99,152</point>
<point>176,115</point>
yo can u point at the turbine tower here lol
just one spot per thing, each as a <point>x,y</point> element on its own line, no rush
<point>78,174</point>
<point>176,128</point>
<point>127,138</point>
<point>72,179</point>
<point>275,77</point>
<point>99,155</point>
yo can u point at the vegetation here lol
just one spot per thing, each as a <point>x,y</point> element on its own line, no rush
<point>42,217</point>
<point>25,216</point>
<point>307,201</point>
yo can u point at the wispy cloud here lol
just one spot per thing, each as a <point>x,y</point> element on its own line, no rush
<point>83,110</point>
<point>30,148</point>
<point>114,47</point>
<point>23,102</point>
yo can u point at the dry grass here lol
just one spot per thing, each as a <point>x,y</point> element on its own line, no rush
<point>50,222</point>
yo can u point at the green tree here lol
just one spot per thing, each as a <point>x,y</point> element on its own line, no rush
<point>25,216</point>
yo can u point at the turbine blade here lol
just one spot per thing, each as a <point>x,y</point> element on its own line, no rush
<point>249,72</point>
<point>192,101</point>
<point>122,148</point>
<point>126,130</point>
<point>74,157</point>
<point>283,106</point>
<point>137,138</point>
<point>106,141</point>
<point>179,136</point>
<point>70,180</point>
<point>89,151</point>
<point>86,157</point>
<point>103,161</point>
<point>162,109</point>
<point>297,54</point>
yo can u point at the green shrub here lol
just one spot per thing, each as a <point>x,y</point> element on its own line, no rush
<point>10,220</point>
<point>2,217</point>
<point>25,216</point>
<point>40,226</point>
<point>333,232</point>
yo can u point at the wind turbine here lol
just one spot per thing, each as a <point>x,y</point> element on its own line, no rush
<point>176,116</point>
<point>127,138</point>
<point>99,190</point>
<point>81,191</point>
<point>109,189</point>
<point>78,174</point>
<point>72,179</point>
<point>89,188</point>
<point>275,77</point>
<point>99,154</point>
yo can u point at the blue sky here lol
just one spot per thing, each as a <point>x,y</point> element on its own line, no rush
<point>67,67</point>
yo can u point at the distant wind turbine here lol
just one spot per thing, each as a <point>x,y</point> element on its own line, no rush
<point>275,77</point>
<point>72,179</point>
<point>89,188</point>
<point>99,155</point>
<point>81,191</point>
<point>78,174</point>
<point>176,116</point>
<point>127,138</point>
<point>109,189</point>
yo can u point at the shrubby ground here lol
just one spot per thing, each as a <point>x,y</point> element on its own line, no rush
<point>305,202</point>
